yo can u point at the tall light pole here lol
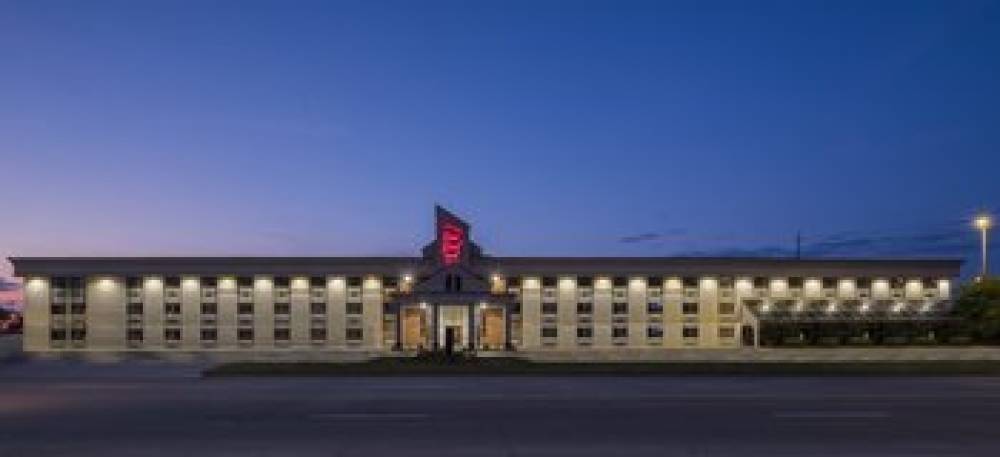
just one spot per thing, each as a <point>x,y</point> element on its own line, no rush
<point>984,222</point>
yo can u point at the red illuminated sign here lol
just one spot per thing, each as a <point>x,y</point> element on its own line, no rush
<point>452,238</point>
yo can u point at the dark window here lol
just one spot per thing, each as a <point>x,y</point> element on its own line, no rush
<point>281,281</point>
<point>690,281</point>
<point>620,281</point>
<point>317,308</point>
<point>795,282</point>
<point>244,281</point>
<point>458,283</point>
<point>171,308</point>
<point>447,283</point>
<point>654,308</point>
<point>829,283</point>
<point>78,334</point>
<point>897,283</point>
<point>317,281</point>
<point>929,283</point>
<point>76,282</point>
<point>209,308</point>
<point>514,282</point>
<point>59,283</point>
<point>619,332</point>
<point>134,334</point>
<point>727,308</point>
<point>549,332</point>
<point>726,281</point>
<point>172,334</point>
<point>654,332</point>
<point>654,281</point>
<point>57,308</point>
<point>172,281</point>
<point>690,332</point>
<point>619,308</point>
<point>390,281</point>
<point>864,283</point>
<point>209,281</point>
<point>133,282</point>
<point>549,308</point>
<point>354,308</point>
<point>317,333</point>
<point>57,334</point>
<point>727,332</point>
<point>584,308</point>
<point>133,308</point>
<point>282,334</point>
<point>354,281</point>
<point>517,308</point>
<point>584,332</point>
<point>585,281</point>
<point>244,334</point>
<point>244,308</point>
<point>282,308</point>
<point>548,281</point>
<point>689,308</point>
<point>78,308</point>
<point>760,283</point>
<point>209,334</point>
<point>355,334</point>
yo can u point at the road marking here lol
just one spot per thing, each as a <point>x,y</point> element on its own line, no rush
<point>831,414</point>
<point>369,416</point>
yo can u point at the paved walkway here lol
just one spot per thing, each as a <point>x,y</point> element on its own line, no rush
<point>841,354</point>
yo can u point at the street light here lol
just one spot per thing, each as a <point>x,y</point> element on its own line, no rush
<point>983,222</point>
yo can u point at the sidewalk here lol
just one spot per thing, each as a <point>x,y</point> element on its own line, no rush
<point>841,354</point>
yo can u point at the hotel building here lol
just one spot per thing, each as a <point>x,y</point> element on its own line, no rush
<point>455,296</point>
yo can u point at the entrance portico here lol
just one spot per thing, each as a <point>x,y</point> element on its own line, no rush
<point>476,321</point>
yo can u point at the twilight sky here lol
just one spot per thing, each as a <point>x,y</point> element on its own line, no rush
<point>556,128</point>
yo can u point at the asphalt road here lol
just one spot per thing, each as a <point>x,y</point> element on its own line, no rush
<point>142,413</point>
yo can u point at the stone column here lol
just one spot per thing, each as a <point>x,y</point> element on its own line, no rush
<point>472,327</point>
<point>435,319</point>
<point>507,327</point>
<point>399,327</point>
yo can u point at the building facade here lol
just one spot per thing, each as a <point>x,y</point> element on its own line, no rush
<point>454,296</point>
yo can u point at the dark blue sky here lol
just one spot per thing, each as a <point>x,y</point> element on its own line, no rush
<point>556,128</point>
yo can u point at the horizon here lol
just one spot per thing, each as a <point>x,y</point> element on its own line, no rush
<point>637,129</point>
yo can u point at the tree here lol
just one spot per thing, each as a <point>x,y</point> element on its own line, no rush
<point>978,306</point>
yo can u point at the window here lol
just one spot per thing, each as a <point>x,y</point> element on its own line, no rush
<point>133,308</point>
<point>689,308</point>
<point>281,281</point>
<point>690,281</point>
<point>317,308</point>
<point>654,331</point>
<point>795,282</point>
<point>829,283</point>
<point>133,282</point>
<point>172,281</point>
<point>354,281</point>
<point>317,281</point>
<point>244,308</point>
<point>134,335</point>
<point>282,308</point>
<point>172,334</point>
<point>209,281</point>
<point>517,308</point>
<point>727,332</point>
<point>864,283</point>
<point>584,308</point>
<point>209,308</point>
<point>548,281</point>
<point>760,282</point>
<point>513,282</point>
<point>57,334</point>
<point>689,332</point>
<point>354,308</point>
<point>78,334</point>
<point>549,308</point>
<point>209,334</point>
<point>619,308</point>
<point>619,332</point>
<point>244,334</point>
<point>654,308</point>
<point>654,281</point>
<point>171,308</point>
<point>619,281</point>
<point>355,334</point>
<point>282,334</point>
<point>244,281</point>
<point>584,332</point>
<point>727,308</point>
<point>584,281</point>
<point>317,333</point>
<point>549,332</point>
<point>78,308</point>
<point>57,308</point>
